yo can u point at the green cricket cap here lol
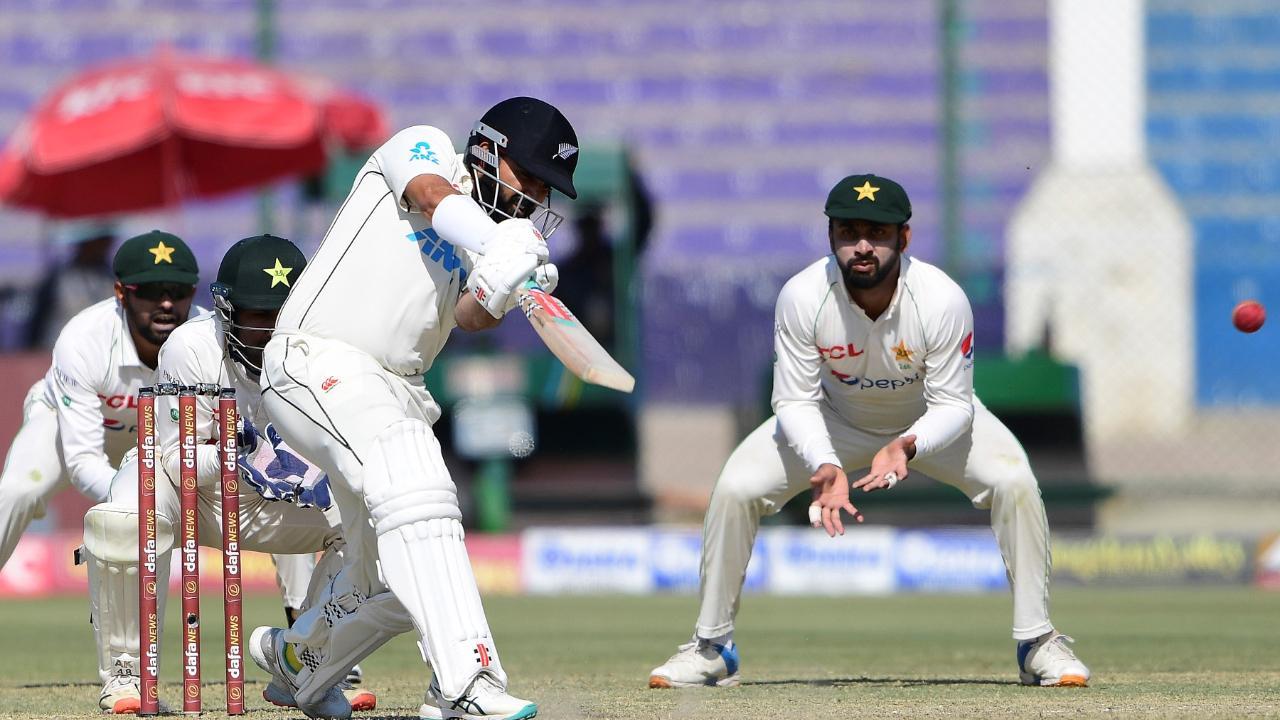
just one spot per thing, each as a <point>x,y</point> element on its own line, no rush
<point>869,197</point>
<point>258,272</point>
<point>156,256</point>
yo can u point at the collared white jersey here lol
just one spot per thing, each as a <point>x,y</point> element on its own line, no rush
<point>909,371</point>
<point>382,280</point>
<point>196,353</point>
<point>93,382</point>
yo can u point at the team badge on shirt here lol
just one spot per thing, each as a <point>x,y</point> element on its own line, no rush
<point>903,355</point>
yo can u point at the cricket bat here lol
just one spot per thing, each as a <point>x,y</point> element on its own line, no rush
<point>569,341</point>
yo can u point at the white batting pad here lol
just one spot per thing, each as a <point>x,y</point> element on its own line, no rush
<point>426,566</point>
<point>405,479</point>
<point>414,507</point>
<point>111,555</point>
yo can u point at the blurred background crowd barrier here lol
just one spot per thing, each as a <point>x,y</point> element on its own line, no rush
<point>1100,175</point>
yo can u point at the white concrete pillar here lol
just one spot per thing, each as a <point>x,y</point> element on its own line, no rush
<point>1099,252</point>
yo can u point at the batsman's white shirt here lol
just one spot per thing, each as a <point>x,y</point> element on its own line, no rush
<point>196,353</point>
<point>93,382</point>
<point>909,371</point>
<point>383,281</point>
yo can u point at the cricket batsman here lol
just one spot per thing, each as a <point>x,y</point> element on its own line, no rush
<point>873,369</point>
<point>282,496</point>
<point>426,240</point>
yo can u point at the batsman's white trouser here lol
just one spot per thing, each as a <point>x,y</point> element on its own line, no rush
<point>987,464</point>
<point>275,527</point>
<point>293,575</point>
<point>370,430</point>
<point>33,470</point>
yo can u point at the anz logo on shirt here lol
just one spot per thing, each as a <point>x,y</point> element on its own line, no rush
<point>423,151</point>
<point>439,251</point>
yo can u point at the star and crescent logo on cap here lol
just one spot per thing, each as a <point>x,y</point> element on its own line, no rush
<point>163,253</point>
<point>867,191</point>
<point>279,274</point>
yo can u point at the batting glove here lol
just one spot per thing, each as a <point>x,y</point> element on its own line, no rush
<point>515,237</point>
<point>495,277</point>
<point>547,277</point>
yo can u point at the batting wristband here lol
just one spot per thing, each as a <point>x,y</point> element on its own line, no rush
<point>459,220</point>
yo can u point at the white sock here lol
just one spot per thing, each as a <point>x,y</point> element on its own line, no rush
<point>725,640</point>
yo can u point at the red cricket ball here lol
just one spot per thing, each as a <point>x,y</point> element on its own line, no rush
<point>1249,316</point>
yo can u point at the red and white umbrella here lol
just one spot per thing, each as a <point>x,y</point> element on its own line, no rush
<point>152,132</point>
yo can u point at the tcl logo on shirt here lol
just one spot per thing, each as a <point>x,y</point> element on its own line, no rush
<point>116,402</point>
<point>836,352</point>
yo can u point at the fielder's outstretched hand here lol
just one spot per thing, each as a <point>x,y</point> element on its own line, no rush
<point>830,496</point>
<point>889,465</point>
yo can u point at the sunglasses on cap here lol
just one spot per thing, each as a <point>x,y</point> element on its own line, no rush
<point>156,291</point>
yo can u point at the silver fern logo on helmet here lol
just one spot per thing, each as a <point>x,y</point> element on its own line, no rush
<point>565,151</point>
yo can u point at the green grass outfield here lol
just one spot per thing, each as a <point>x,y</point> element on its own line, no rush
<point>1156,653</point>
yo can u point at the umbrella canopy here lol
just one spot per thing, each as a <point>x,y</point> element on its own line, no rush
<point>151,132</point>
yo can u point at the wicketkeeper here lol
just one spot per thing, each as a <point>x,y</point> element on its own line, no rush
<point>284,501</point>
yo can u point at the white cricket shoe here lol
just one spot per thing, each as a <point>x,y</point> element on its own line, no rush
<point>121,694</point>
<point>696,664</point>
<point>1049,662</point>
<point>360,699</point>
<point>267,649</point>
<point>484,700</point>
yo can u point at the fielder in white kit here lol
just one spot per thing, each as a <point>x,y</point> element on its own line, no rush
<point>873,368</point>
<point>425,241</point>
<point>281,496</point>
<point>78,420</point>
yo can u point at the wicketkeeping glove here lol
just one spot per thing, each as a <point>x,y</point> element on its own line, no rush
<point>317,495</point>
<point>247,436</point>
<point>270,488</point>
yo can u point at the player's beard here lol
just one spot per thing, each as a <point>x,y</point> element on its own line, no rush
<point>145,322</point>
<point>510,204</point>
<point>861,281</point>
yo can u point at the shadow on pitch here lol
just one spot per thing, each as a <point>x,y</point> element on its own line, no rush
<point>897,682</point>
